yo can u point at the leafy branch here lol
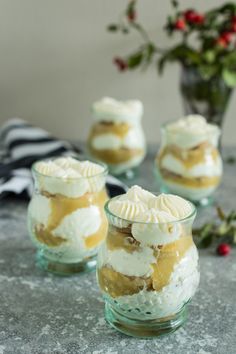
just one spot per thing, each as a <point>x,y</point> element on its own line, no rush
<point>223,229</point>
<point>212,34</point>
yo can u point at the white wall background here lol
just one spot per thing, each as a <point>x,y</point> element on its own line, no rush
<point>56,59</point>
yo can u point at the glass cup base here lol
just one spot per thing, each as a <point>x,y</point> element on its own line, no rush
<point>65,269</point>
<point>144,328</point>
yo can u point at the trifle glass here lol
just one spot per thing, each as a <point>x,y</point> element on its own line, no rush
<point>189,162</point>
<point>66,218</point>
<point>148,265</point>
<point>117,137</point>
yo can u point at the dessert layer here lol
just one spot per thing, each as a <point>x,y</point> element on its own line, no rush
<point>170,299</point>
<point>191,193</point>
<point>69,177</point>
<point>116,156</point>
<point>119,130</point>
<point>190,131</point>
<point>109,109</point>
<point>195,182</point>
<point>209,168</point>
<point>133,139</point>
<point>64,218</point>
<point>156,267</point>
<point>201,154</point>
<point>119,168</point>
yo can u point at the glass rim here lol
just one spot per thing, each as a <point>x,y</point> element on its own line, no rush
<point>186,218</point>
<point>39,174</point>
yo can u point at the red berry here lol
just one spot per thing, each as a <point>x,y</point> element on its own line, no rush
<point>233,27</point>
<point>180,24</point>
<point>199,19</point>
<point>221,42</point>
<point>223,249</point>
<point>189,15</point>
<point>234,19</point>
<point>120,63</point>
<point>132,15</point>
<point>227,36</point>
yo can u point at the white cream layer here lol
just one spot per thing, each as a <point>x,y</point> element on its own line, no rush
<point>156,234</point>
<point>137,263</point>
<point>209,169</point>
<point>169,300</point>
<point>190,193</point>
<point>39,209</point>
<point>119,168</point>
<point>69,177</point>
<point>75,228</point>
<point>191,131</point>
<point>134,139</point>
<point>109,109</point>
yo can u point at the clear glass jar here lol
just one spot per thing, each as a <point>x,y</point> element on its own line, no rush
<point>116,136</point>
<point>193,173</point>
<point>66,220</point>
<point>146,287</point>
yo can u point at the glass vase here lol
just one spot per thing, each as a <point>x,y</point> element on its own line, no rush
<point>207,97</point>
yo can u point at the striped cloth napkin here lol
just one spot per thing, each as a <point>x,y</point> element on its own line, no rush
<point>21,144</point>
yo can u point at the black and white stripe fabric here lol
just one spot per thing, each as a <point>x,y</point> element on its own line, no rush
<point>21,144</point>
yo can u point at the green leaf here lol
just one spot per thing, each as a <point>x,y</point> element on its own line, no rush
<point>229,77</point>
<point>220,213</point>
<point>229,7</point>
<point>206,242</point>
<point>112,28</point>
<point>230,160</point>
<point>135,60</point>
<point>208,71</point>
<point>174,3</point>
<point>209,56</point>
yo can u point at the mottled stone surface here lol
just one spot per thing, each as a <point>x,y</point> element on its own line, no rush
<point>41,313</point>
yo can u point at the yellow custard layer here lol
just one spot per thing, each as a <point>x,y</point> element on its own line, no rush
<point>167,256</point>
<point>120,129</point>
<point>112,156</point>
<point>121,239</point>
<point>194,182</point>
<point>62,206</point>
<point>190,157</point>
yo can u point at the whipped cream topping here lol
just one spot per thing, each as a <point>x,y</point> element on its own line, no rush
<point>138,194</point>
<point>153,219</point>
<point>191,131</point>
<point>109,109</point>
<point>73,178</point>
<point>127,209</point>
<point>156,228</point>
<point>172,205</point>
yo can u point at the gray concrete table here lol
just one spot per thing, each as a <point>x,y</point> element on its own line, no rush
<point>41,313</point>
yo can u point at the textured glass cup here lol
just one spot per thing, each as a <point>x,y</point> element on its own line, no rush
<point>120,145</point>
<point>192,173</point>
<point>146,287</point>
<point>66,221</point>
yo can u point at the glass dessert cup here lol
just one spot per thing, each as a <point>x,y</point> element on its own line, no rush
<point>116,136</point>
<point>59,220</point>
<point>146,288</point>
<point>193,173</point>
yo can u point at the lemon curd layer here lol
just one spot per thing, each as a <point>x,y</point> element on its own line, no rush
<point>62,206</point>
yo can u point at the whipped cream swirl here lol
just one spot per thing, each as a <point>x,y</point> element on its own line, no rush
<point>69,177</point>
<point>191,131</point>
<point>109,109</point>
